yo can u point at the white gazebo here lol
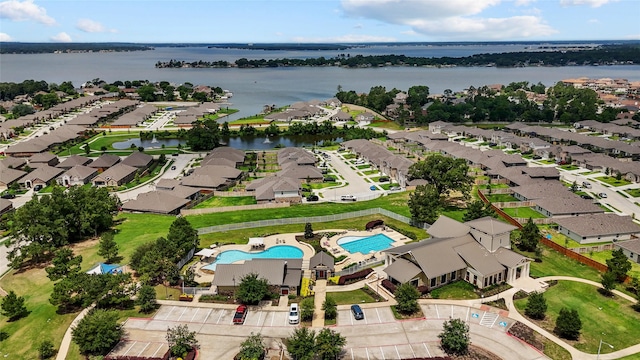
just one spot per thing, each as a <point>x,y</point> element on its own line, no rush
<point>256,243</point>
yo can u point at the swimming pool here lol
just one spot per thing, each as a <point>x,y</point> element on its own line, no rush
<point>276,252</point>
<point>365,244</point>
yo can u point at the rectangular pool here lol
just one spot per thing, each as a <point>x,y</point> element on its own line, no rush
<point>365,244</point>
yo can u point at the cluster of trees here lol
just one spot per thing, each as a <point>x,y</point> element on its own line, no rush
<point>42,48</point>
<point>47,223</point>
<point>155,262</point>
<point>564,103</point>
<point>618,54</point>
<point>443,175</point>
<point>617,268</point>
<point>305,344</point>
<point>568,323</point>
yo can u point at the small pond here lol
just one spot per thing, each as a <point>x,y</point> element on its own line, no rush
<point>243,143</point>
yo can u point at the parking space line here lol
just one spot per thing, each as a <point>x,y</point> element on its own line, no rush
<point>382,352</point>
<point>206,317</point>
<point>130,347</point>
<point>468,309</point>
<point>494,321</point>
<point>426,348</point>
<point>220,317</point>
<point>451,311</point>
<point>144,348</point>
<point>352,354</point>
<point>367,351</point>
<point>259,317</point>
<point>413,352</point>
<point>273,317</point>
<point>194,315</point>
<point>169,313</point>
<point>158,349</point>
<point>379,319</point>
<point>182,313</point>
<point>437,312</point>
<point>351,317</point>
<point>398,353</point>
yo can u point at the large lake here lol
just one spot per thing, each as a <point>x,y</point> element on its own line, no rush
<point>253,88</point>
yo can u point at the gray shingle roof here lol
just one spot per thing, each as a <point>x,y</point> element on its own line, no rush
<point>629,245</point>
<point>322,259</point>
<point>599,224</point>
<point>489,225</point>
<point>402,270</point>
<point>270,269</point>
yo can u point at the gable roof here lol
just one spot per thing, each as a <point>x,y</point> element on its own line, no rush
<point>272,270</point>
<point>490,225</point>
<point>155,201</point>
<point>321,259</point>
<point>402,270</point>
<point>446,227</point>
<point>44,173</point>
<point>74,160</point>
<point>105,161</point>
<point>117,172</point>
<point>599,224</point>
<point>138,159</point>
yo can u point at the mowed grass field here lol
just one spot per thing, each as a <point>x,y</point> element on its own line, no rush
<point>610,319</point>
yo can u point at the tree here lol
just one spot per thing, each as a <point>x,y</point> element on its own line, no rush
<point>454,337</point>
<point>568,324</point>
<point>330,308</point>
<point>108,248</point>
<point>22,110</point>
<point>183,235</point>
<point>536,306</point>
<point>203,135</point>
<point>476,210</point>
<point>301,344</point>
<point>64,263</point>
<point>529,236</point>
<point>46,350</point>
<point>425,203</point>
<point>619,265</point>
<point>252,289</point>
<point>13,306</point>
<point>147,298</point>
<point>252,348</point>
<point>329,344</point>
<point>308,231</point>
<point>445,173</point>
<point>608,281</point>
<point>181,340</point>
<point>407,297</point>
<point>574,186</point>
<point>306,309</point>
<point>98,332</point>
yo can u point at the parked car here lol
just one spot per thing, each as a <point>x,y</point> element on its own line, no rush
<point>313,198</point>
<point>240,315</point>
<point>37,187</point>
<point>294,314</point>
<point>373,187</point>
<point>603,195</point>
<point>383,179</point>
<point>586,185</point>
<point>587,197</point>
<point>173,167</point>
<point>348,198</point>
<point>357,312</point>
<point>8,195</point>
<point>395,188</point>
<point>537,157</point>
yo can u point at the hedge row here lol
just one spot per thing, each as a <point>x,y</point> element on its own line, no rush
<point>356,276</point>
<point>410,234</point>
<point>389,286</point>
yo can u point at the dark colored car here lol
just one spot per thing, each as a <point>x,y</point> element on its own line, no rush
<point>587,197</point>
<point>8,196</point>
<point>313,198</point>
<point>357,312</point>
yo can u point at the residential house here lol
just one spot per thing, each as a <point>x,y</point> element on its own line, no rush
<point>8,176</point>
<point>40,159</point>
<point>42,176</point>
<point>138,160</point>
<point>631,248</point>
<point>116,175</point>
<point>275,189</point>
<point>341,116</point>
<point>5,206</point>
<point>74,160</point>
<point>282,275</point>
<point>77,176</point>
<point>157,202</point>
<point>596,228</point>
<point>104,162</point>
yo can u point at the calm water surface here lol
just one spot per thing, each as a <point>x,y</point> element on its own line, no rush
<point>253,88</point>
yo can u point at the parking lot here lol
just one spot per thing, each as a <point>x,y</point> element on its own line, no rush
<point>485,316</point>
<point>377,315</point>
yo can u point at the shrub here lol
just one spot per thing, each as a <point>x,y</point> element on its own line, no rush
<point>389,286</point>
<point>410,234</point>
<point>357,276</point>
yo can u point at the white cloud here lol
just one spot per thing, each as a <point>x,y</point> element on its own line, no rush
<point>25,10</point>
<point>90,26</point>
<point>592,3</point>
<point>524,2</point>
<point>5,37</point>
<point>349,38</point>
<point>593,21</point>
<point>451,19</point>
<point>61,37</point>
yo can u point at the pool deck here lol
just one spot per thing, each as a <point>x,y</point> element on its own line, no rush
<point>330,245</point>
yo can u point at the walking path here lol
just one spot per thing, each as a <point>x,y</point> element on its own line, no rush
<point>320,289</point>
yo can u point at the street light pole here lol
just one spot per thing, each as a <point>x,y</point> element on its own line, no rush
<point>600,346</point>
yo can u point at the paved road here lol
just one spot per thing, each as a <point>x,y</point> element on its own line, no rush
<point>357,184</point>
<point>614,199</point>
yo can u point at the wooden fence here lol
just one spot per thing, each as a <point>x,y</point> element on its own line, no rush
<point>559,248</point>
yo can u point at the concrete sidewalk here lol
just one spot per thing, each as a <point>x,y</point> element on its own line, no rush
<point>320,289</point>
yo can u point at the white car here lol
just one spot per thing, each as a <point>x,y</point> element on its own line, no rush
<point>603,195</point>
<point>294,314</point>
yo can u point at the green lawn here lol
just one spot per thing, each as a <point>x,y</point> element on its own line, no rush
<point>370,172</point>
<point>569,167</point>
<point>633,192</point>
<point>219,201</point>
<point>555,264</point>
<point>523,212</point>
<point>603,256</point>
<point>361,167</point>
<point>351,297</point>
<point>501,198</point>
<point>459,290</point>
<point>394,202</point>
<point>611,180</point>
<point>387,125</point>
<point>610,319</point>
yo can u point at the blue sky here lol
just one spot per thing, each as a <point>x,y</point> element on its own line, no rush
<point>292,21</point>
